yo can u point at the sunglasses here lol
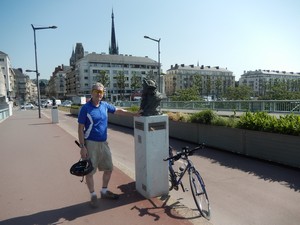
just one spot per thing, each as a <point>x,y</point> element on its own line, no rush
<point>98,92</point>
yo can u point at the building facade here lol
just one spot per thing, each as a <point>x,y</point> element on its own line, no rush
<point>213,81</point>
<point>88,71</point>
<point>26,90</point>
<point>261,81</point>
<point>8,77</point>
<point>2,85</point>
<point>57,83</point>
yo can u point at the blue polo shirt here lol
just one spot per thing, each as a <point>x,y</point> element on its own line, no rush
<point>95,120</point>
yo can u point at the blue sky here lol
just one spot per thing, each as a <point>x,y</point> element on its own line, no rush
<point>235,34</point>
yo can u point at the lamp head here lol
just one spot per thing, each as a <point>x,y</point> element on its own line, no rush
<point>30,71</point>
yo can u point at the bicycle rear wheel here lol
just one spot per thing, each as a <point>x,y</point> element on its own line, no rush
<point>199,193</point>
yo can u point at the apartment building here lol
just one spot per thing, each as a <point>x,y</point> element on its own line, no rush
<point>260,81</point>
<point>2,85</point>
<point>88,69</point>
<point>26,90</point>
<point>214,80</point>
<point>57,82</point>
<point>8,76</point>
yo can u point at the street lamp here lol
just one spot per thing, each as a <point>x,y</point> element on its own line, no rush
<point>158,43</point>
<point>36,64</point>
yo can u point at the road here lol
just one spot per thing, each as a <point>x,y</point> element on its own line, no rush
<point>241,190</point>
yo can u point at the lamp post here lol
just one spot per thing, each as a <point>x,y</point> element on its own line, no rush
<point>158,43</point>
<point>36,64</point>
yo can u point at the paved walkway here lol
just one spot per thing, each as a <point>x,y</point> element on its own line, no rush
<point>37,188</point>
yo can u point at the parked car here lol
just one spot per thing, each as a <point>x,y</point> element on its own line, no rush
<point>57,102</point>
<point>27,106</point>
<point>67,103</point>
<point>46,103</point>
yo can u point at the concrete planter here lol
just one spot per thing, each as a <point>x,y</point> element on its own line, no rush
<point>125,121</point>
<point>279,148</point>
<point>74,111</point>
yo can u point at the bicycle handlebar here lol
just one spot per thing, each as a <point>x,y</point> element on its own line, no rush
<point>185,151</point>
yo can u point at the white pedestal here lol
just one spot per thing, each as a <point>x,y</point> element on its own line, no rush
<point>151,136</point>
<point>10,111</point>
<point>54,113</point>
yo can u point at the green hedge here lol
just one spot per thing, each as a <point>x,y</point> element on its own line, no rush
<point>259,121</point>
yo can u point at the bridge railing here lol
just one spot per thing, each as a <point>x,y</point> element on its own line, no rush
<point>4,113</point>
<point>270,106</point>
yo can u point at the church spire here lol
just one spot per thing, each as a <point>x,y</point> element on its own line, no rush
<point>113,48</point>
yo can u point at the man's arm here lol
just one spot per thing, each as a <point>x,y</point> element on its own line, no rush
<point>124,112</point>
<point>83,150</point>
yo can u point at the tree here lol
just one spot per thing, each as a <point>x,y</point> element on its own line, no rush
<point>188,94</point>
<point>242,92</point>
<point>121,80</point>
<point>208,86</point>
<point>198,83</point>
<point>218,86</point>
<point>136,82</point>
<point>281,90</point>
<point>103,78</point>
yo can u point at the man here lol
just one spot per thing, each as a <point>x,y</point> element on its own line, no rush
<point>92,135</point>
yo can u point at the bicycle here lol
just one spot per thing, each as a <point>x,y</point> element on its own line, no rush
<point>196,182</point>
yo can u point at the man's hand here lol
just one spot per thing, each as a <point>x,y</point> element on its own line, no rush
<point>83,152</point>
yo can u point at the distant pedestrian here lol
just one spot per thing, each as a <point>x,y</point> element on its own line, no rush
<point>92,134</point>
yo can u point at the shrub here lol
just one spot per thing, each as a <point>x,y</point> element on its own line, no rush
<point>203,117</point>
<point>75,106</point>
<point>64,108</point>
<point>134,108</point>
<point>288,124</point>
<point>220,121</point>
<point>178,116</point>
<point>261,121</point>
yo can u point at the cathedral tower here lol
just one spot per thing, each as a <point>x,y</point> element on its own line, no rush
<point>113,48</point>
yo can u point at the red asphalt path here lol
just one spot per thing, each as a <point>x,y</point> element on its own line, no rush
<point>37,188</point>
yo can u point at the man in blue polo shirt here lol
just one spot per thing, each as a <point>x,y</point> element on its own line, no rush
<point>92,134</point>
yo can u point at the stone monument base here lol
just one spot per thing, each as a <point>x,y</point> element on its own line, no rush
<point>151,137</point>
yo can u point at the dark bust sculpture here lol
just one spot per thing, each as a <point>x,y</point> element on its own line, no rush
<point>150,99</point>
<point>53,101</point>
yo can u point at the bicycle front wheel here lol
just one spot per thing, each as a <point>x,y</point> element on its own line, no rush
<point>199,193</point>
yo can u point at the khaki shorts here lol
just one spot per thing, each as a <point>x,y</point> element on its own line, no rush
<point>100,155</point>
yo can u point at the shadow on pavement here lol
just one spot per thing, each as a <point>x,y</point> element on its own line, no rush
<point>268,171</point>
<point>129,197</point>
<point>155,206</point>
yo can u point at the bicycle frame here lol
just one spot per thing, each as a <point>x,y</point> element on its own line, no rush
<point>176,179</point>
